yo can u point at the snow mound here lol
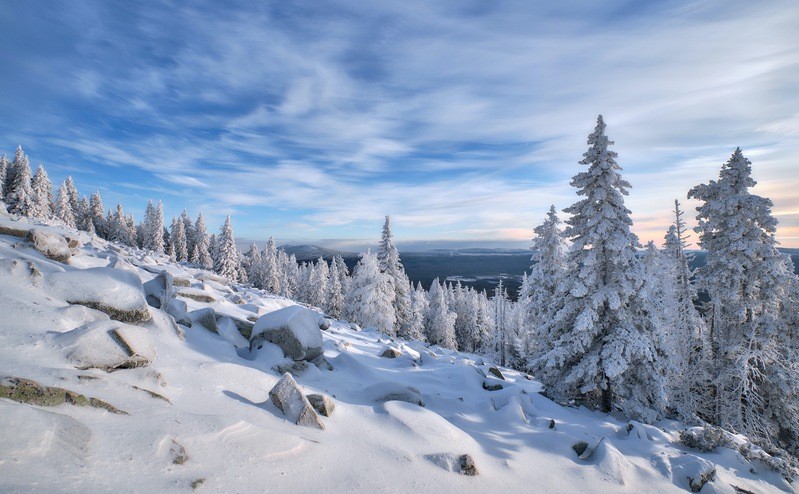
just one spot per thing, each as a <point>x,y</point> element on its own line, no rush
<point>295,329</point>
<point>116,292</point>
<point>108,345</point>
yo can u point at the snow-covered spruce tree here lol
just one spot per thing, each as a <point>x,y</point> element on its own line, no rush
<point>368,302</point>
<point>4,165</point>
<point>343,273</point>
<point>690,381</point>
<point>20,195</point>
<point>96,215</point>
<point>335,299</point>
<point>74,197</point>
<point>390,263</point>
<point>188,231</point>
<point>503,334</point>
<point>227,261</point>
<point>600,346</point>
<point>318,286</point>
<point>440,321</point>
<point>178,240</point>
<point>42,191</point>
<point>254,265</point>
<point>415,330</point>
<point>11,173</point>
<point>541,291</point>
<point>153,227</point>
<point>271,267</point>
<point>213,248</point>
<point>750,284</point>
<point>202,244</point>
<point>63,211</point>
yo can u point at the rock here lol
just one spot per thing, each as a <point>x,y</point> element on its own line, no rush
<point>322,363</point>
<point>178,453</point>
<point>354,327</point>
<point>158,291</point>
<point>33,393</point>
<point>692,470</point>
<point>244,327</point>
<point>391,353</point>
<point>462,464</point>
<point>496,372</point>
<point>235,298</point>
<point>196,294</point>
<point>322,404</point>
<point>181,282</point>
<point>116,292</point>
<point>481,372</point>
<point>325,323</point>
<point>53,246</point>
<point>393,391</point>
<point>584,450</point>
<point>288,398</point>
<point>180,311</point>
<point>206,317</point>
<point>492,386</point>
<point>294,368</point>
<point>294,329</point>
<point>108,345</point>
<point>580,447</point>
<point>551,423</point>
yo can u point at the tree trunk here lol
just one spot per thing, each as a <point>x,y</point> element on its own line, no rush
<point>607,397</point>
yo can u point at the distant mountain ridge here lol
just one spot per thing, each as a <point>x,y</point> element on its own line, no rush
<point>313,252</point>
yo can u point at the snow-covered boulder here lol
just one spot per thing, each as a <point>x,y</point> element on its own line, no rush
<point>108,345</point>
<point>52,245</point>
<point>692,471</point>
<point>180,311</point>
<point>294,329</point>
<point>205,317</point>
<point>462,464</point>
<point>322,404</point>
<point>158,290</point>
<point>288,398</point>
<point>391,353</point>
<point>230,332</point>
<point>116,292</point>
<point>393,391</point>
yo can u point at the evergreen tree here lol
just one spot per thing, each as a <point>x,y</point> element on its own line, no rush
<point>750,285</point>
<point>63,211</point>
<point>420,305</point>
<point>188,231</point>
<point>42,190</point>
<point>368,302</point>
<point>20,194</point>
<point>213,248</point>
<point>343,273</point>
<point>271,267</point>
<point>318,287</point>
<point>11,174</point>
<point>96,215</point>
<point>4,166</point>
<point>600,347</point>
<point>202,244</point>
<point>118,228</point>
<point>84,219</point>
<point>227,261</point>
<point>335,300</point>
<point>440,321</point>
<point>389,258</point>
<point>74,198</point>
<point>153,228</point>
<point>178,240</point>
<point>254,266</point>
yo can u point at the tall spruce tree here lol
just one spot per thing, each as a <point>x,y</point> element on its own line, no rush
<point>63,211</point>
<point>390,263</point>
<point>202,244</point>
<point>4,166</point>
<point>601,346</point>
<point>154,227</point>
<point>440,321</point>
<point>42,191</point>
<point>227,261</point>
<point>750,285</point>
<point>20,194</point>
<point>368,302</point>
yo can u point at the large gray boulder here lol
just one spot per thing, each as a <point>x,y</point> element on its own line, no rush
<point>322,404</point>
<point>294,329</point>
<point>158,291</point>
<point>288,398</point>
<point>52,245</point>
<point>108,345</point>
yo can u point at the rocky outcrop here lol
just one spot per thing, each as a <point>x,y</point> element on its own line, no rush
<point>288,398</point>
<point>294,329</point>
<point>116,292</point>
<point>205,317</point>
<point>33,393</point>
<point>496,372</point>
<point>53,246</point>
<point>180,311</point>
<point>108,345</point>
<point>322,404</point>
<point>391,353</point>
<point>158,291</point>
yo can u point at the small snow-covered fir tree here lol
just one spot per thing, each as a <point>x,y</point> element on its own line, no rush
<point>420,305</point>
<point>271,267</point>
<point>202,244</point>
<point>440,321</point>
<point>227,261</point>
<point>118,227</point>
<point>343,273</point>
<point>96,215</point>
<point>390,263</point>
<point>178,240</point>
<point>254,265</point>
<point>188,231</point>
<point>11,173</point>
<point>368,302</point>
<point>42,190</point>
<point>154,227</point>
<point>335,299</point>
<point>20,194</point>
<point>74,198</point>
<point>600,346</point>
<point>4,165</point>
<point>63,211</point>
<point>750,285</point>
<point>318,284</point>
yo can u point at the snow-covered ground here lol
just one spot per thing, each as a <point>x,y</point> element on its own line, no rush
<point>199,415</point>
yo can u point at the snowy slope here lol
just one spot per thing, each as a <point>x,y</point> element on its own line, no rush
<point>199,415</point>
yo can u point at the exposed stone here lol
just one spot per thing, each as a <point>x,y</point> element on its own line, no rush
<point>322,363</point>
<point>491,386</point>
<point>391,353</point>
<point>153,394</point>
<point>461,464</point>
<point>53,246</point>
<point>158,291</point>
<point>244,327</point>
<point>180,311</point>
<point>108,345</point>
<point>580,447</point>
<point>692,469</point>
<point>178,452</point>
<point>325,323</point>
<point>181,282</point>
<point>393,391</point>
<point>196,295</point>
<point>467,465</point>
<point>481,372</point>
<point>33,393</point>
<point>206,317</point>
<point>551,423</point>
<point>496,372</point>
<point>235,298</point>
<point>288,398</point>
<point>13,232</point>
<point>116,292</point>
<point>294,368</point>
<point>196,484</point>
<point>322,404</point>
<point>294,329</point>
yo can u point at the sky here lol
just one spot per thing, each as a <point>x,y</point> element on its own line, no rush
<point>463,120</point>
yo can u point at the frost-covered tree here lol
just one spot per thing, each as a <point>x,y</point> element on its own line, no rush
<point>178,240</point>
<point>318,289</point>
<point>202,244</point>
<point>227,261</point>
<point>11,173</point>
<point>288,274</point>
<point>74,198</point>
<point>254,265</point>
<point>343,273</point>
<point>213,248</point>
<point>20,193</point>
<point>42,191</point>
<point>335,300</point>
<point>118,228</point>
<point>440,321</point>
<point>415,329</point>
<point>96,216</point>
<point>601,345</point>
<point>153,227</point>
<point>63,211</point>
<point>271,267</point>
<point>540,291</point>
<point>188,231</point>
<point>4,166</point>
<point>389,258</point>
<point>750,285</point>
<point>368,302</point>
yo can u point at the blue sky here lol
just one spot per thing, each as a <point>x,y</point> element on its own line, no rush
<point>463,120</point>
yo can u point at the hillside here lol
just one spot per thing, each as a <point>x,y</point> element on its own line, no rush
<point>187,408</point>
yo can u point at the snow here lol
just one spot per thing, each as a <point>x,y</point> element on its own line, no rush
<point>219,425</point>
